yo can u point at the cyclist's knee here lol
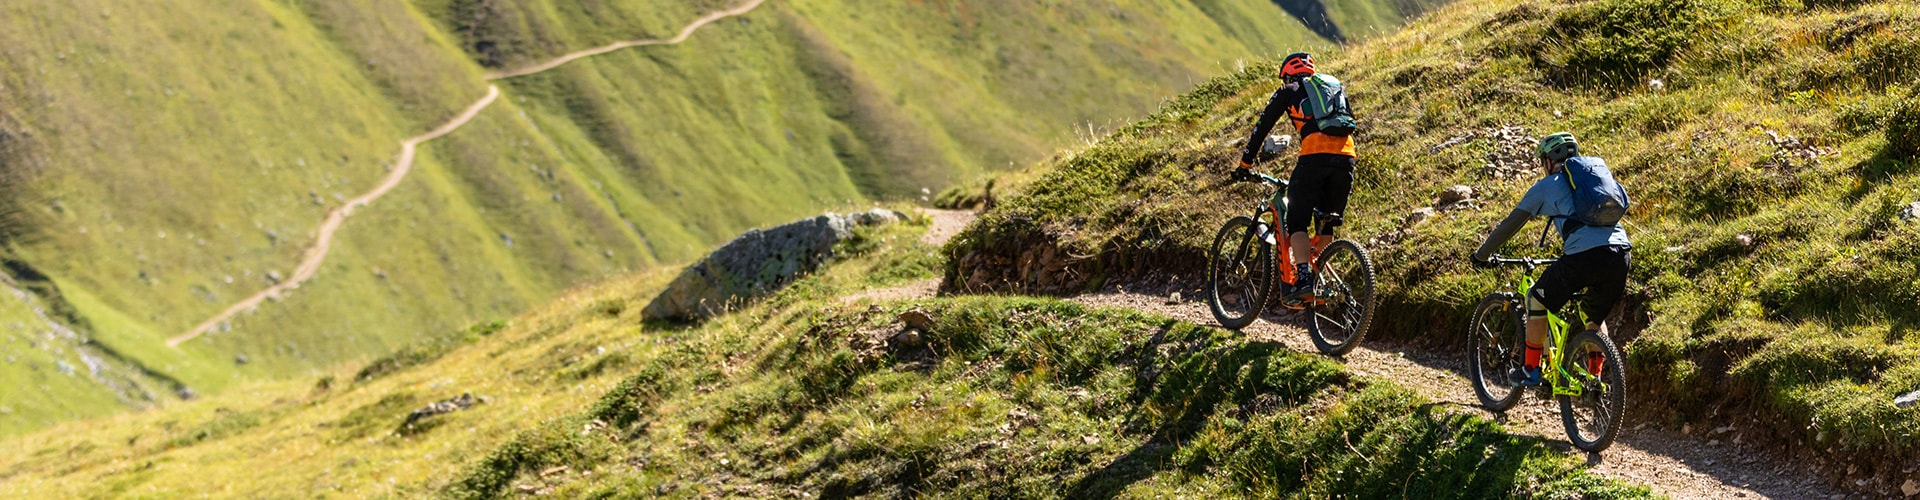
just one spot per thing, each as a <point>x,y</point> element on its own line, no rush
<point>1536,303</point>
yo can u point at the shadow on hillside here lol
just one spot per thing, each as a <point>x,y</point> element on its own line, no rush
<point>1726,463</point>
<point>1193,397</point>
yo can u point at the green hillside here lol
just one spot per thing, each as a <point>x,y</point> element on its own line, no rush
<point>164,161</point>
<point>1770,146</point>
<point>814,392</point>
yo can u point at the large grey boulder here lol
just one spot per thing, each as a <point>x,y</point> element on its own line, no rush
<point>755,264</point>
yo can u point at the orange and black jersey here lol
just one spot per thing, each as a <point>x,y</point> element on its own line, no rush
<point>1286,101</point>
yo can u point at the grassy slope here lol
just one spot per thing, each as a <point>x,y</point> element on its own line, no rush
<point>183,162</point>
<point>1806,332</point>
<point>1009,396</point>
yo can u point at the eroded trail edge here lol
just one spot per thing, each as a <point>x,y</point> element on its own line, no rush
<point>316,255</point>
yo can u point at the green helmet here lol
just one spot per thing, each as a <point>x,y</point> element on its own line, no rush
<point>1559,147</point>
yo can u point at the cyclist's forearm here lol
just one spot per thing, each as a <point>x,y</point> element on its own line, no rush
<point>1508,227</point>
<point>1268,118</point>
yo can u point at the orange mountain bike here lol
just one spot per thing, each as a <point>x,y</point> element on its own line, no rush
<point>1244,268</point>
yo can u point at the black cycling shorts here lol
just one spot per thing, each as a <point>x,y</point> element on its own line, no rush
<point>1319,181</point>
<point>1601,271</point>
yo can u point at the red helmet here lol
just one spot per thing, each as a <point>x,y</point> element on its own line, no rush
<point>1297,64</point>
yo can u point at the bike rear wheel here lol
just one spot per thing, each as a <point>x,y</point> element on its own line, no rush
<point>1593,418</point>
<point>1493,339</point>
<point>1239,273</point>
<point>1344,296</point>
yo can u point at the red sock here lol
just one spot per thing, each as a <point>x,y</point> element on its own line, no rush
<point>1595,362</point>
<point>1533,355</point>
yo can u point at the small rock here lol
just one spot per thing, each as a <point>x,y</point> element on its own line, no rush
<point>1744,240</point>
<point>916,319</point>
<point>274,277</point>
<point>1907,400</point>
<point>1418,216</point>
<point>1090,439</point>
<point>876,217</point>
<point>1453,195</point>
<point>1277,144</point>
<point>1173,298</point>
<point>1910,488</point>
<point>1911,212</point>
<point>1656,84</point>
<point>240,359</point>
<point>908,338</point>
<point>186,393</point>
<point>464,401</point>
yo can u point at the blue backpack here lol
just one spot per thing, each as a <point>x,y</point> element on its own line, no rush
<point>1597,199</point>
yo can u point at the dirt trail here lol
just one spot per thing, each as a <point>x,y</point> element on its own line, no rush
<point>946,224</point>
<point>1705,465</point>
<point>323,244</point>
<point>684,33</point>
<point>310,265</point>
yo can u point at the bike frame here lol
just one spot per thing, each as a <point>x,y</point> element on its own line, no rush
<point>1269,211</point>
<point>1558,330</point>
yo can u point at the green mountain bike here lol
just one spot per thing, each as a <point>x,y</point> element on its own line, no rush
<point>1583,370</point>
<point>1243,269</point>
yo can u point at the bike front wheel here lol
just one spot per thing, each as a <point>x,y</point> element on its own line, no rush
<point>1343,296</point>
<point>1493,340</point>
<point>1239,273</point>
<point>1593,418</point>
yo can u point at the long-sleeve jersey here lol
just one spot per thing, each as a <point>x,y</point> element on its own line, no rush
<point>1552,197</point>
<point>1286,101</point>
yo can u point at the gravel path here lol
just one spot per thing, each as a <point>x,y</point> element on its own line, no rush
<point>1701,465</point>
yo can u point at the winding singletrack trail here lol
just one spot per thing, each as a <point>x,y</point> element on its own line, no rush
<point>323,243</point>
<point>1679,465</point>
<point>684,33</point>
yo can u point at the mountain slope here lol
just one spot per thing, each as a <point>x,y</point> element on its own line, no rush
<point>815,392</point>
<point>1769,146</point>
<point>163,163</point>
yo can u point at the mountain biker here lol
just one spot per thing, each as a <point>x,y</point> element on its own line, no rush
<point>1595,258</point>
<point>1322,178</point>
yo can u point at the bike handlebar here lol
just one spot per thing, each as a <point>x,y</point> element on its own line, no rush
<point>1525,261</point>
<point>1261,178</point>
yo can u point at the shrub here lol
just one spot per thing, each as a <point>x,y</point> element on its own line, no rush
<point>1903,129</point>
<point>1618,42</point>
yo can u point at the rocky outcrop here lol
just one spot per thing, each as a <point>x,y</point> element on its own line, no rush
<point>757,263</point>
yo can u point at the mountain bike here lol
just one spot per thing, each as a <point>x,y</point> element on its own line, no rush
<point>1243,269</point>
<point>1583,370</point>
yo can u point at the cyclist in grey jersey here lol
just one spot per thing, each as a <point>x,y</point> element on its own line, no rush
<point>1595,258</point>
